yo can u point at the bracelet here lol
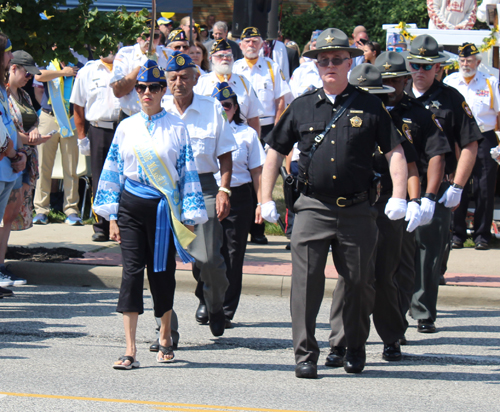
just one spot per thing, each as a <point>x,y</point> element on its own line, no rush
<point>416,200</point>
<point>225,190</point>
<point>457,186</point>
<point>431,196</point>
<point>259,204</point>
<point>15,159</point>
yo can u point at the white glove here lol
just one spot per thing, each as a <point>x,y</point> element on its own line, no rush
<point>451,197</point>
<point>84,146</point>
<point>427,209</point>
<point>269,212</point>
<point>413,216</point>
<point>395,208</point>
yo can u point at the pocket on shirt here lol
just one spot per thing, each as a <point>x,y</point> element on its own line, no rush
<point>205,145</point>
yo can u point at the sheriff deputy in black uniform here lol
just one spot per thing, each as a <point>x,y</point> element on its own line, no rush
<point>338,126</point>
<point>462,132</point>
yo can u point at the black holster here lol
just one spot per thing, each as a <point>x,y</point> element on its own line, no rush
<point>375,187</point>
<point>290,188</point>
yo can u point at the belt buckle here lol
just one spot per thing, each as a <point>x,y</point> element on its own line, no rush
<point>340,198</point>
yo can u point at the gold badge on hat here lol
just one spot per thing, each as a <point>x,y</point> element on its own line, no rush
<point>254,30</point>
<point>180,60</point>
<point>356,121</point>
<point>156,72</point>
<point>407,133</point>
<point>387,66</point>
<point>422,51</point>
<point>360,79</point>
<point>226,93</point>
<point>329,39</point>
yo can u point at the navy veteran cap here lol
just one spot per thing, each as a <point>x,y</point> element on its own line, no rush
<point>424,49</point>
<point>163,20</point>
<point>176,35</point>
<point>367,77</point>
<point>150,73</point>
<point>220,45</point>
<point>222,91</point>
<point>179,61</point>
<point>331,40</point>
<point>391,64</point>
<point>250,32</point>
<point>467,49</point>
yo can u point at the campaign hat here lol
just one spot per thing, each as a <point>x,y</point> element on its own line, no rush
<point>391,64</point>
<point>367,77</point>
<point>331,40</point>
<point>424,49</point>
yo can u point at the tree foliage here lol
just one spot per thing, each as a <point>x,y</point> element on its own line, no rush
<point>103,31</point>
<point>346,15</point>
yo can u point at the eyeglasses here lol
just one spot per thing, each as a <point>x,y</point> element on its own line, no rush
<point>336,61</point>
<point>227,56</point>
<point>156,36</point>
<point>181,47</point>
<point>416,66</point>
<point>394,49</point>
<point>153,88</point>
<point>227,106</point>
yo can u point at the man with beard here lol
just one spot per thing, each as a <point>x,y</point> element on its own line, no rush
<point>481,94</point>
<point>460,128</point>
<point>222,60</point>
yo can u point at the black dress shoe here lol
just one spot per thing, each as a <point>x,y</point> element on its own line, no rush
<point>306,370</point>
<point>403,341</point>
<point>482,246</point>
<point>155,347</point>
<point>201,314</point>
<point>217,322</point>
<point>99,237</point>
<point>229,324</point>
<point>457,245</point>
<point>336,357</point>
<point>392,351</point>
<point>426,326</point>
<point>288,246</point>
<point>259,240</point>
<point>355,360</point>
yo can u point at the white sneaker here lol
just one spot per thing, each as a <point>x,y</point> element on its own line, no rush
<point>5,281</point>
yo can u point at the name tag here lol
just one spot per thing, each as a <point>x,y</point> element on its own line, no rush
<point>356,111</point>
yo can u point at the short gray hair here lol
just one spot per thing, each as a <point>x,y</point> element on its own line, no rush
<point>221,25</point>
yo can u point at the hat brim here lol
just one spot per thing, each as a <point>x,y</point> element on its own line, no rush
<point>390,75</point>
<point>414,58</point>
<point>354,52</point>
<point>32,70</point>
<point>378,90</point>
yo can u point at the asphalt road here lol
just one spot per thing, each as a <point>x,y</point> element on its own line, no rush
<point>57,346</point>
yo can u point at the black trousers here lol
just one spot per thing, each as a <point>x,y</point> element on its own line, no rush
<point>137,223</point>
<point>484,177</point>
<point>405,274</point>
<point>100,142</point>
<point>235,227</point>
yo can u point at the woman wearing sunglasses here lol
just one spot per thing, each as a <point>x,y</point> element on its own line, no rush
<point>19,210</point>
<point>150,192</point>
<point>247,169</point>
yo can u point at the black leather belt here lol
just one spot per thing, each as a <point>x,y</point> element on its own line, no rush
<point>49,112</point>
<point>342,201</point>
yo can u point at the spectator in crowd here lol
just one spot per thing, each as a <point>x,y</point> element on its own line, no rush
<point>222,60</point>
<point>165,25</point>
<point>55,77</point>
<point>310,45</point>
<point>481,94</point>
<point>94,101</point>
<point>204,35</point>
<point>189,25</point>
<point>199,54</point>
<point>359,39</point>
<point>371,51</point>
<point>451,15</point>
<point>220,31</point>
<point>12,160</point>
<point>247,170</point>
<point>132,197</point>
<point>210,22</point>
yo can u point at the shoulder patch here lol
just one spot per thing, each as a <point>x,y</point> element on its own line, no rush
<point>407,133</point>
<point>436,121</point>
<point>467,109</point>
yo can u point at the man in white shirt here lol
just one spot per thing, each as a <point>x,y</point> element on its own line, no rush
<point>212,141</point>
<point>222,60</point>
<point>481,93</point>
<point>126,66</point>
<point>276,51</point>
<point>93,100</point>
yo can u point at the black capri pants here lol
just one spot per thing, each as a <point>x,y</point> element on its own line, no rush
<point>137,223</point>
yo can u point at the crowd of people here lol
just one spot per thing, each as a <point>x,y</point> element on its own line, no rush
<point>186,132</point>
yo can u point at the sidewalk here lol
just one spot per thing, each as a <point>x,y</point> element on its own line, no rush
<point>472,277</point>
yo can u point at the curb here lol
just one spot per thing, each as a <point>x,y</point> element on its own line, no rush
<point>62,274</point>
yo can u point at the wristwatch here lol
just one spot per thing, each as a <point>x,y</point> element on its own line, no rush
<point>225,190</point>
<point>416,200</point>
<point>457,186</point>
<point>430,196</point>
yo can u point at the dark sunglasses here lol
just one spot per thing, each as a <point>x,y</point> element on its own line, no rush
<point>27,75</point>
<point>181,47</point>
<point>153,88</point>
<point>227,105</point>
<point>416,66</point>
<point>336,61</point>
<point>394,49</point>
<point>156,36</point>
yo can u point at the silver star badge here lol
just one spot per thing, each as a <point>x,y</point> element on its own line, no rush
<point>436,104</point>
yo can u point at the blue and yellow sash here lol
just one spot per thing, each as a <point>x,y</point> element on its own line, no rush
<point>60,93</point>
<point>160,178</point>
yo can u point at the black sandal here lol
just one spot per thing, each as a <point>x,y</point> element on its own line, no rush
<point>164,350</point>
<point>121,359</point>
